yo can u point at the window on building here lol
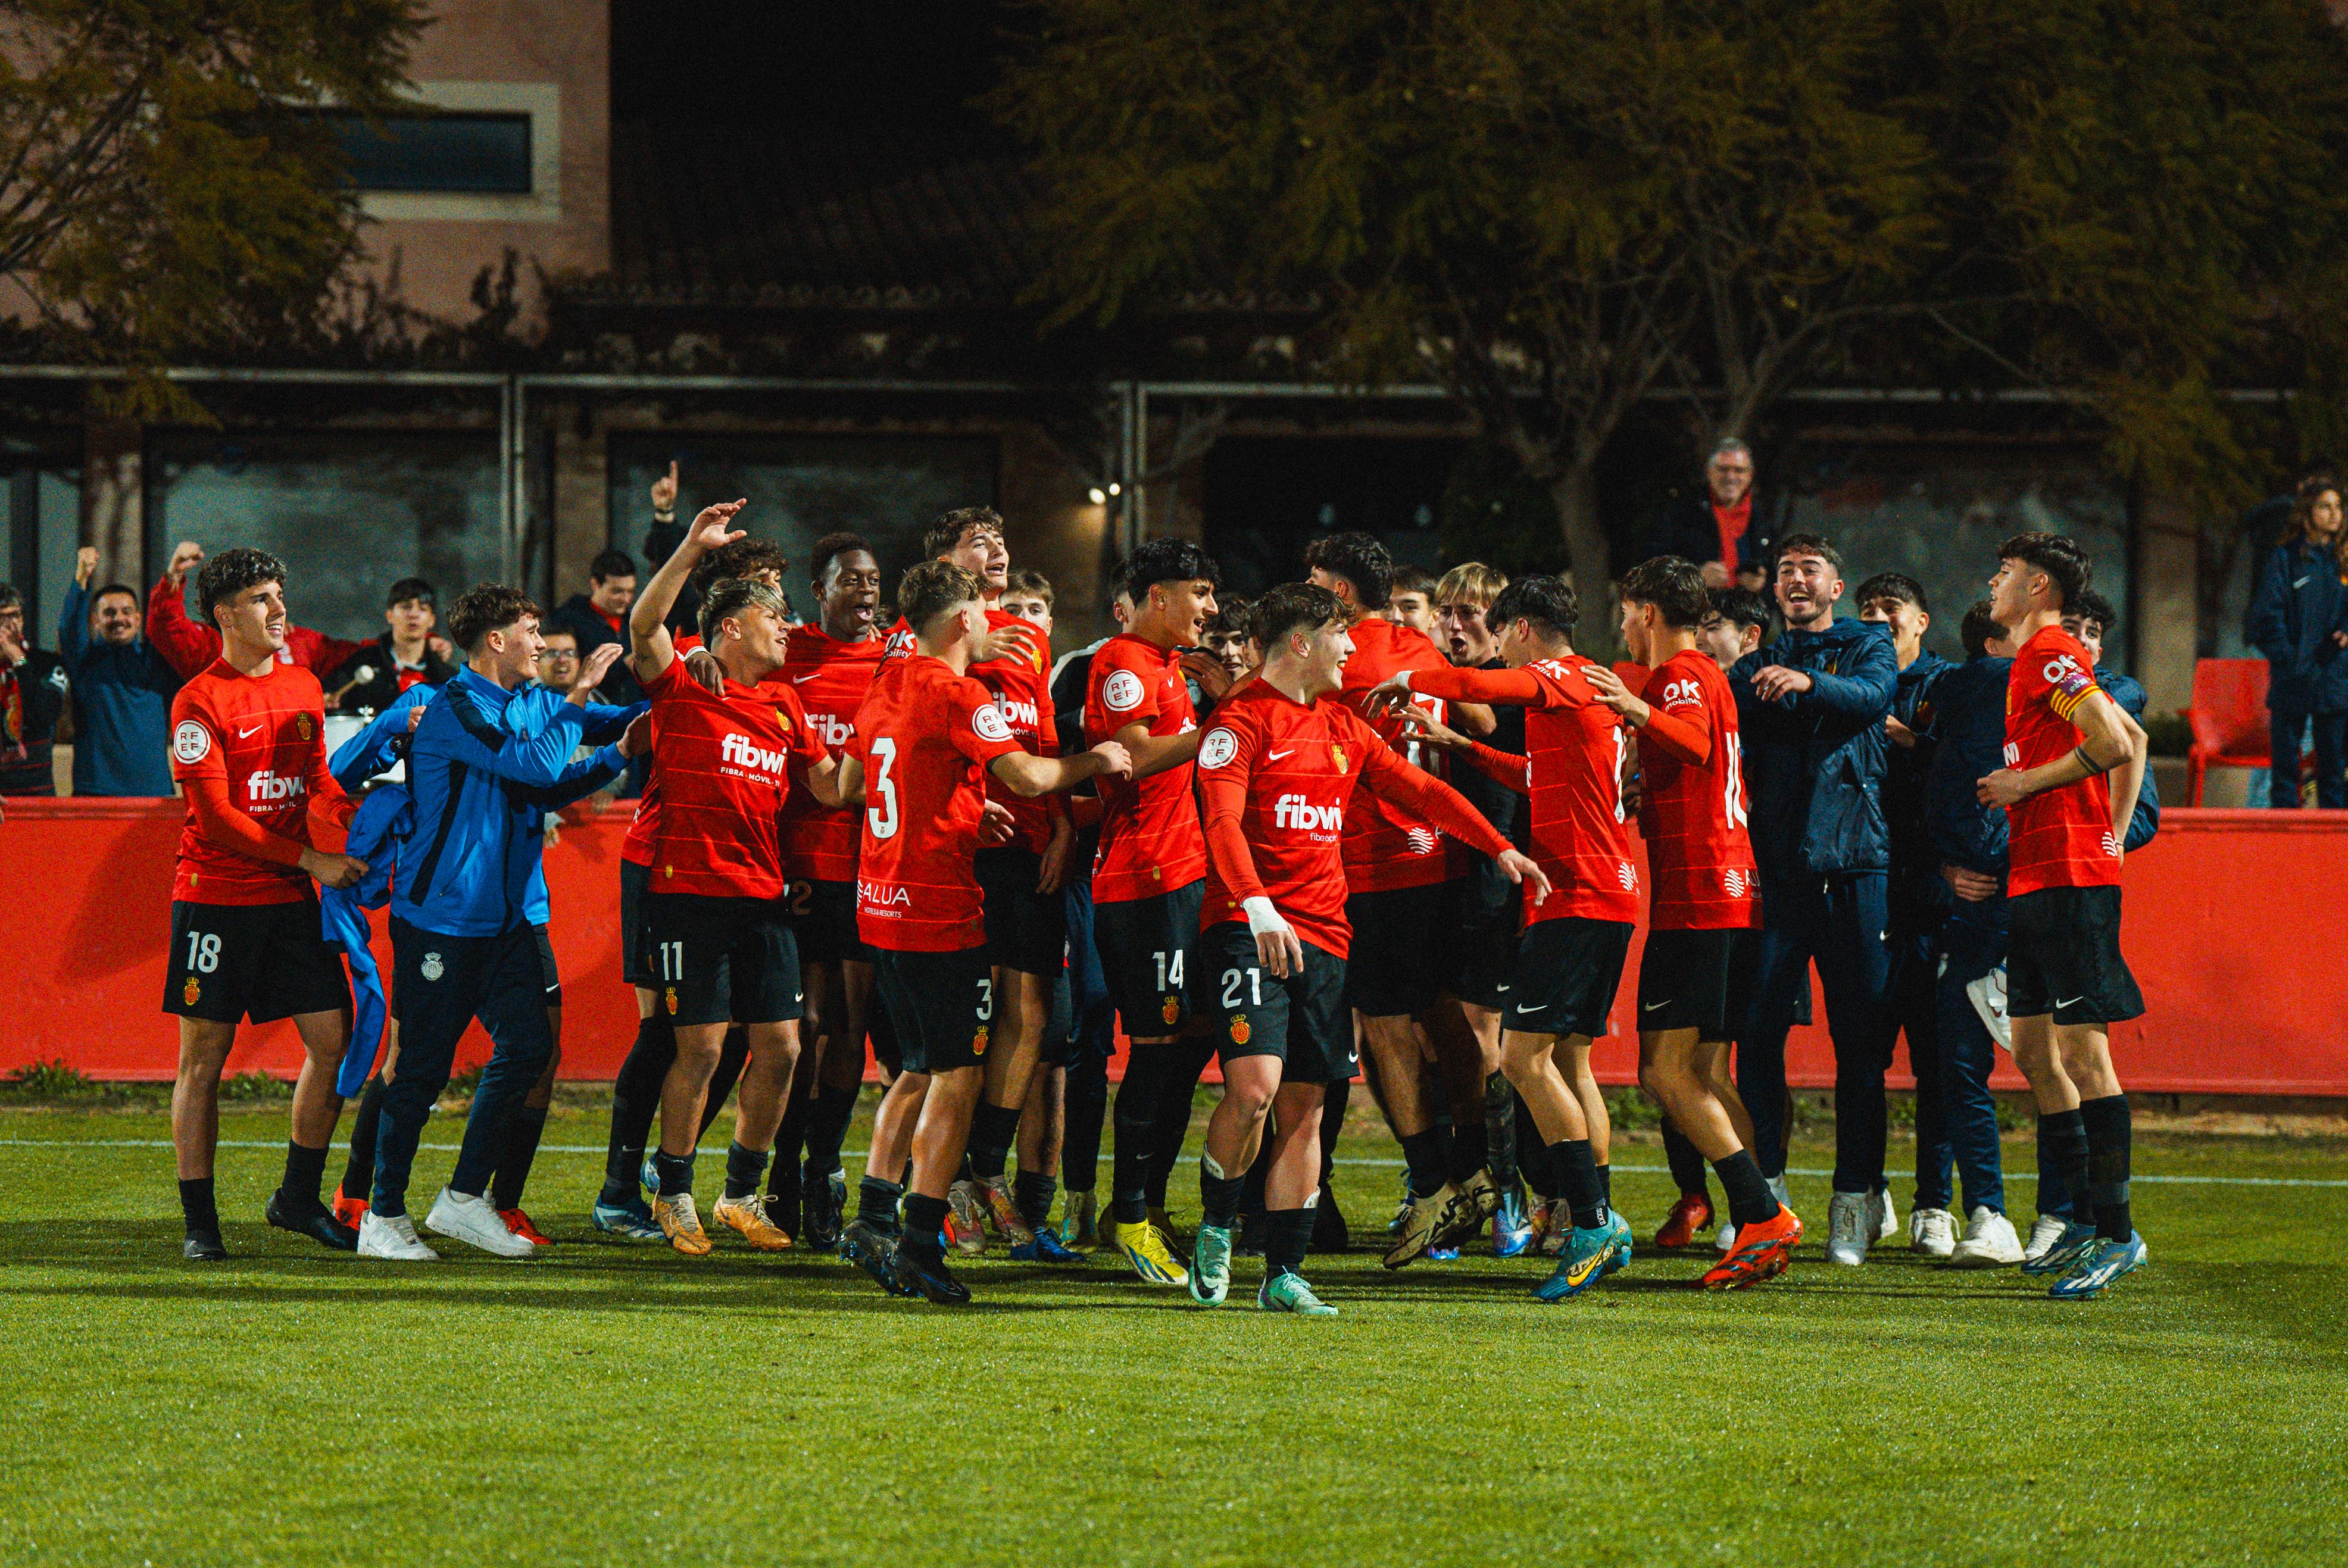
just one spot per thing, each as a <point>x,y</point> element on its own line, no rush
<point>451,152</point>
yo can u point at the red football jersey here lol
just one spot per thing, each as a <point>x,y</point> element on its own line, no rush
<point>2059,838</point>
<point>1282,774</point>
<point>1149,840</point>
<point>1022,686</point>
<point>265,736</point>
<point>926,735</point>
<point>1386,846</point>
<point>645,826</point>
<point>1580,827</point>
<point>1693,815</point>
<point>726,767</point>
<point>831,678</point>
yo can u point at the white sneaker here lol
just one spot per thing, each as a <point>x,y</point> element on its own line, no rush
<point>474,1222</point>
<point>2044,1234</point>
<point>1725,1242</point>
<point>1990,1242</point>
<point>1882,1216</point>
<point>1848,1230</point>
<point>392,1237</point>
<point>1932,1231</point>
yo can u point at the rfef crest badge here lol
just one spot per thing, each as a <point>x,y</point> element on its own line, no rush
<point>1240,1030</point>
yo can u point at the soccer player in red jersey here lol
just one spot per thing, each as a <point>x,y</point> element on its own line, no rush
<point>1278,771</point>
<point>1149,876</point>
<point>1395,868</point>
<point>721,942</point>
<point>2074,771</point>
<point>1570,958</point>
<point>249,747</point>
<point>1702,904</point>
<point>926,737</point>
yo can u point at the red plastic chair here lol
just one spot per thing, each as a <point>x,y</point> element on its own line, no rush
<point>2228,717</point>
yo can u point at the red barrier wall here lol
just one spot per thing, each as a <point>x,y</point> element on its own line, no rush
<point>2228,931</point>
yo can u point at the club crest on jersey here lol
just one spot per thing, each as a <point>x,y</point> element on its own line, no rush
<point>191,742</point>
<point>1337,756</point>
<point>301,723</point>
<point>189,992</point>
<point>1220,746</point>
<point>782,719</point>
<point>432,968</point>
<point>1240,1030</point>
<point>1172,1009</point>
<point>978,1042</point>
<point>1121,693</point>
<point>990,724</point>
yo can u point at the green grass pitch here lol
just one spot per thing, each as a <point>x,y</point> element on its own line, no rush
<point>622,1405</point>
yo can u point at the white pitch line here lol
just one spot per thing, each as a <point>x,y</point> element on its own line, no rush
<point>1386,1164</point>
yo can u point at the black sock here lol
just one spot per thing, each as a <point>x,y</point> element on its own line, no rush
<point>1469,1149</point>
<point>783,1186</point>
<point>674,1170</point>
<point>1500,1130</point>
<point>305,1169</point>
<point>1686,1163</point>
<point>1533,1161</point>
<point>828,1113</point>
<point>1750,1202</point>
<point>358,1172</point>
<point>925,1223</point>
<point>523,1132</point>
<point>1606,1190</point>
<point>196,1207</point>
<point>1287,1234</point>
<point>1218,1195</point>
<point>1577,1171</point>
<point>1032,1191</point>
<point>991,1129</point>
<point>1429,1169</point>
<point>733,1055</point>
<point>743,1168</point>
<point>2110,1134</point>
<point>1333,1100</point>
<point>1136,1117</point>
<point>635,1101</point>
<point>2063,1149</point>
<point>783,1179</point>
<point>876,1203</point>
<point>1086,1107</point>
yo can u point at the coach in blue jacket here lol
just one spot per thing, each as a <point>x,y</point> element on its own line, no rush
<point>1811,706</point>
<point>2299,619</point>
<point>461,943</point>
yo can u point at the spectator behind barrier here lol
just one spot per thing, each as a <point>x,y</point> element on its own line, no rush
<point>407,655</point>
<point>190,645</point>
<point>1720,530</point>
<point>123,689</point>
<point>2299,619</point>
<point>600,616</point>
<point>33,693</point>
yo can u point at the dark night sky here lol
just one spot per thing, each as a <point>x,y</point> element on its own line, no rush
<point>902,68</point>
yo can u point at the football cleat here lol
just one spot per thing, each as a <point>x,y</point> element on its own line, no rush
<point>748,1216</point>
<point>1426,1222</point>
<point>1044,1247</point>
<point>966,1229</point>
<point>1932,1232</point>
<point>1285,1291</point>
<point>1623,1243</point>
<point>204,1247</point>
<point>1581,1264</point>
<point>467,1217</point>
<point>1486,1192</point>
<point>1762,1253</point>
<point>1442,1254</point>
<point>392,1237</point>
<point>1210,1265</point>
<point>519,1225</point>
<point>348,1209</point>
<point>631,1221</point>
<point>1080,1225</point>
<point>1144,1246</point>
<point>1002,1212</point>
<point>2065,1252</point>
<point>1402,1208</point>
<point>648,1178</point>
<point>822,1201</point>
<point>1686,1221</point>
<point>929,1279</point>
<point>2103,1261</point>
<point>674,1214</point>
<point>1989,1241</point>
<point>312,1220</point>
<point>872,1250</point>
<point>1850,1226</point>
<point>1512,1228</point>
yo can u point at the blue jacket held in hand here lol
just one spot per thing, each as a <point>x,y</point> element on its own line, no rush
<point>2296,605</point>
<point>376,833</point>
<point>1816,759</point>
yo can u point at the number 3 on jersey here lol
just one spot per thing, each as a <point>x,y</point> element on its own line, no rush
<point>880,810</point>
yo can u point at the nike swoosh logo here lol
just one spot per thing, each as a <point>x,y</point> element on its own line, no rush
<point>248,734</point>
<point>2070,1001</point>
<point>1277,755</point>
<point>2302,582</point>
<point>1540,1009</point>
<point>802,680</point>
<point>1654,1006</point>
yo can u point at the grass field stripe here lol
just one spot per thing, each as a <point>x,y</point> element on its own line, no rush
<point>719,1148</point>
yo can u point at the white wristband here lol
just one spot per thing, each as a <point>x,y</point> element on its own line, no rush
<point>1261,916</point>
<point>1401,679</point>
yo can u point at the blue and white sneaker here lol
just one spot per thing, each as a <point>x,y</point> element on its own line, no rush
<point>1443,1254</point>
<point>648,1179</point>
<point>631,1221</point>
<point>1512,1228</point>
<point>1581,1264</point>
<point>1046,1248</point>
<point>1285,1291</point>
<point>1619,1229</point>
<point>2102,1263</point>
<point>1210,1264</point>
<point>2065,1254</point>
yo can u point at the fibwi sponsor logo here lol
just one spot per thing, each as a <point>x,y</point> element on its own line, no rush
<point>1022,715</point>
<point>1296,811</point>
<point>831,729</point>
<point>744,752</point>
<point>274,786</point>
